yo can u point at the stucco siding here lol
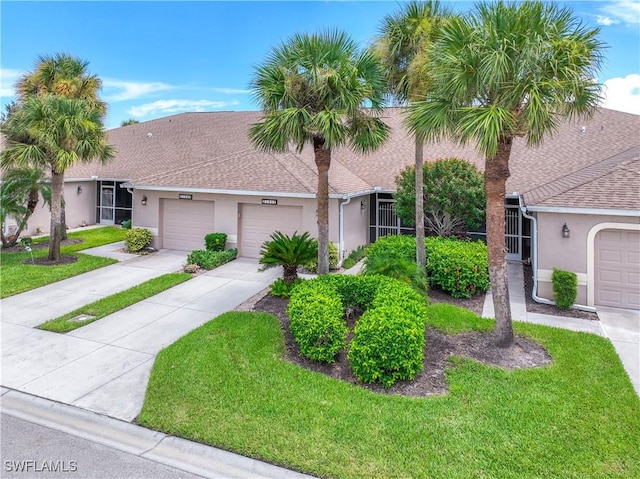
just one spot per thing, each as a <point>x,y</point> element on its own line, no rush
<point>573,253</point>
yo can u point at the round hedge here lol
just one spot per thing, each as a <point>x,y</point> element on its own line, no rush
<point>388,342</point>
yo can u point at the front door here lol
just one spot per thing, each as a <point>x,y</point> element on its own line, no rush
<point>107,203</point>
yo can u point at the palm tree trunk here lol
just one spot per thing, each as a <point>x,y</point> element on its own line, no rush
<point>323,162</point>
<point>495,175</point>
<point>421,255</point>
<point>57,182</point>
<point>63,222</point>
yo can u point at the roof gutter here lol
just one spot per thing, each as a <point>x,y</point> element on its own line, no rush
<point>346,201</point>
<point>582,211</point>
<point>534,262</point>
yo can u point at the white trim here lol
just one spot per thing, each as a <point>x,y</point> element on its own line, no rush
<point>591,238</point>
<point>154,231</point>
<point>583,211</point>
<point>546,276</point>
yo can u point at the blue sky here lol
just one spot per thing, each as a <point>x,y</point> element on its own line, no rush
<point>157,58</point>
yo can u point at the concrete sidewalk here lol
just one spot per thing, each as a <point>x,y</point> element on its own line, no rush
<point>620,326</point>
<point>105,366</point>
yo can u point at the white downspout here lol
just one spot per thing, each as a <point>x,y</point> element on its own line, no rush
<point>341,227</point>
<point>534,262</point>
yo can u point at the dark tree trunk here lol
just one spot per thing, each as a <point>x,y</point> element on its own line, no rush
<point>323,162</point>
<point>421,255</point>
<point>290,274</point>
<point>495,177</point>
<point>63,221</point>
<point>57,182</point>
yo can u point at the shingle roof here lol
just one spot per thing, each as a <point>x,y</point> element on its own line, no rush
<point>212,151</point>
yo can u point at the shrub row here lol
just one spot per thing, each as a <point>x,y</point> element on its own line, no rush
<point>215,241</point>
<point>211,259</point>
<point>388,342</point>
<point>459,268</point>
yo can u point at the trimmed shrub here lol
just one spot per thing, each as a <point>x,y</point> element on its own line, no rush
<point>137,239</point>
<point>215,241</point>
<point>282,289</point>
<point>395,247</point>
<point>565,288</point>
<point>334,259</point>
<point>316,321</point>
<point>460,268</point>
<point>388,345</point>
<point>388,342</point>
<point>211,259</point>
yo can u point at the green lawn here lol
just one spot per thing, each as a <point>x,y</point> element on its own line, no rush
<point>17,277</point>
<point>109,305</point>
<point>225,384</point>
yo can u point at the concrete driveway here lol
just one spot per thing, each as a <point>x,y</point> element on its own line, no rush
<point>105,366</point>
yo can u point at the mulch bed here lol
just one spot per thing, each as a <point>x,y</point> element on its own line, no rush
<point>525,353</point>
<point>533,307</point>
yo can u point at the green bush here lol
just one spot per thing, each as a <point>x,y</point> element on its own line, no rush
<point>288,252</point>
<point>460,268</point>
<point>334,259</point>
<point>316,320</point>
<point>215,241</point>
<point>126,224</point>
<point>565,288</point>
<point>137,239</point>
<point>388,345</point>
<point>282,289</point>
<point>394,248</point>
<point>355,256</point>
<point>400,269</point>
<point>211,259</point>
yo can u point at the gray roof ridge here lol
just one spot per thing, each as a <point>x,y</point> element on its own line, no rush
<point>581,177</point>
<point>194,166</point>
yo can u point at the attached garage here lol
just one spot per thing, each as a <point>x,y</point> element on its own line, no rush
<point>185,224</point>
<point>258,222</point>
<point>617,268</point>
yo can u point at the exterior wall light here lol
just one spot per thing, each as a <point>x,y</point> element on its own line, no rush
<point>144,201</point>
<point>363,204</point>
<point>566,233</point>
<point>79,189</point>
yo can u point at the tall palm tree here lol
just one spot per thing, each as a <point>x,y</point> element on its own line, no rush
<point>507,71</point>
<point>20,193</point>
<point>66,76</point>
<point>62,131</point>
<point>312,89</point>
<point>402,46</point>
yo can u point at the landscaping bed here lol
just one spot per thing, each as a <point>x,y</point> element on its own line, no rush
<point>476,345</point>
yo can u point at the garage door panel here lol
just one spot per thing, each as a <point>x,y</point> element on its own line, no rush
<point>258,222</point>
<point>185,223</point>
<point>617,268</point>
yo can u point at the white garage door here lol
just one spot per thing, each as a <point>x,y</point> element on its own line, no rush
<point>185,223</point>
<point>617,269</point>
<point>258,222</point>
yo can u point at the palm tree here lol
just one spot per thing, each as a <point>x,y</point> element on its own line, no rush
<point>66,76</point>
<point>288,252</point>
<point>312,89</point>
<point>507,71</point>
<point>19,195</point>
<point>61,132</point>
<point>402,46</point>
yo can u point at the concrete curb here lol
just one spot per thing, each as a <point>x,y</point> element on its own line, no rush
<point>178,453</point>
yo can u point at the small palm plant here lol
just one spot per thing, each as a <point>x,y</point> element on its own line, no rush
<point>288,252</point>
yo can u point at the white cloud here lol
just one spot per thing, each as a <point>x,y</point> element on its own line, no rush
<point>132,90</point>
<point>8,78</point>
<point>606,21</point>
<point>231,91</point>
<point>623,94</point>
<point>617,11</point>
<point>177,106</point>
